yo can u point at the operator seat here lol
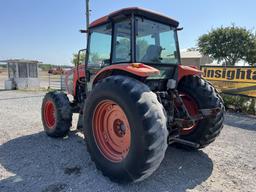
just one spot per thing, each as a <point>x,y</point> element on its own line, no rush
<point>153,54</point>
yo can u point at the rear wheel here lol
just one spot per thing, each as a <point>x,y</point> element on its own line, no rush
<point>56,114</point>
<point>111,130</point>
<point>125,129</point>
<point>196,94</point>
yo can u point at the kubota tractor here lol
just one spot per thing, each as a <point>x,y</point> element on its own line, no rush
<point>134,97</point>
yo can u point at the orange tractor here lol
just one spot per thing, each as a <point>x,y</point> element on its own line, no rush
<point>134,97</point>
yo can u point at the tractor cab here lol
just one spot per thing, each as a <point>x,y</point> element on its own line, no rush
<point>133,35</point>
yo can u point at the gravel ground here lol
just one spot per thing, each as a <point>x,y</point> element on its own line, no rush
<point>31,161</point>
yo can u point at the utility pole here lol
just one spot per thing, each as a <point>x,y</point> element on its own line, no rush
<point>87,14</point>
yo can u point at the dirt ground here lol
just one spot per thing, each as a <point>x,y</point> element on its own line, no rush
<point>31,161</point>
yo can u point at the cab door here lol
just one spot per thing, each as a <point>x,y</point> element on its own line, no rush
<point>98,51</point>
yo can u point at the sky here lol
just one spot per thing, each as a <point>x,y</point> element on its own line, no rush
<point>48,30</point>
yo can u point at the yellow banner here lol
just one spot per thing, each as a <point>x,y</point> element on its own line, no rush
<point>232,80</point>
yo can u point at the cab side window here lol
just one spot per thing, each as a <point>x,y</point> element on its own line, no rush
<point>100,46</point>
<point>122,42</point>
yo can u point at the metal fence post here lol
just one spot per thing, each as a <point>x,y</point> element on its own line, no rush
<point>61,83</point>
<point>49,81</point>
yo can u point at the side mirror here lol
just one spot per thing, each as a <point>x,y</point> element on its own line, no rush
<point>179,29</point>
<point>79,56</point>
<point>83,31</point>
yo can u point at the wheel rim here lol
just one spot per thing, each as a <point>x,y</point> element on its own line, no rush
<point>192,109</point>
<point>111,130</point>
<point>49,114</point>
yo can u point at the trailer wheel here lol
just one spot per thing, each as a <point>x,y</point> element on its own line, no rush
<point>199,94</point>
<point>125,129</point>
<point>56,114</point>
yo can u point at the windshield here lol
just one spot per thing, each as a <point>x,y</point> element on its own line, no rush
<point>155,42</point>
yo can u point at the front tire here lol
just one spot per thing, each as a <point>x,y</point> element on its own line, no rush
<point>56,114</point>
<point>125,129</point>
<point>199,94</point>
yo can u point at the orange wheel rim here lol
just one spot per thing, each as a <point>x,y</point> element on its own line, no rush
<point>192,109</point>
<point>49,114</point>
<point>111,130</point>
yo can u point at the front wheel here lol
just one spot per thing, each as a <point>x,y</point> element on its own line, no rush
<point>56,114</point>
<point>197,94</point>
<point>125,129</point>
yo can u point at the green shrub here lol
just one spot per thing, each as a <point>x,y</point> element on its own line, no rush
<point>239,103</point>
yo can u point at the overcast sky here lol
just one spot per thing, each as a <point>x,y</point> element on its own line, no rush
<point>48,30</point>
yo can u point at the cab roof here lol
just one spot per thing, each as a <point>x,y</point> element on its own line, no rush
<point>137,11</point>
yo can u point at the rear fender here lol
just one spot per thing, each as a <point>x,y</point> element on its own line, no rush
<point>135,69</point>
<point>187,70</point>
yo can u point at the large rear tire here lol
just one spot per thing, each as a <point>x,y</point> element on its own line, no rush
<point>125,129</point>
<point>56,114</point>
<point>199,94</point>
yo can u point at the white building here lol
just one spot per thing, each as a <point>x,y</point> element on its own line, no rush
<point>22,74</point>
<point>194,58</point>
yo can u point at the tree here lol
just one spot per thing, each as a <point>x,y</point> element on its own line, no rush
<point>251,56</point>
<point>45,67</point>
<point>229,44</point>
